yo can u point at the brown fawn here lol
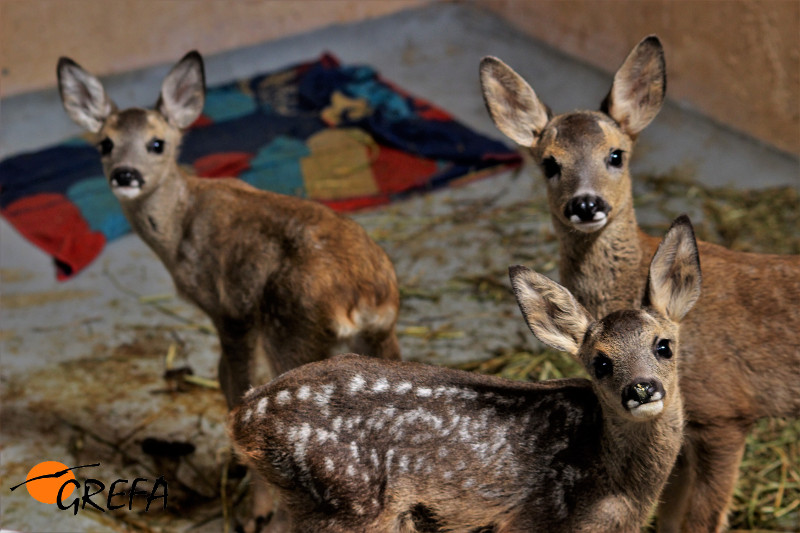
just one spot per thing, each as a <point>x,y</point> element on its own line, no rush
<point>741,345</point>
<point>273,272</point>
<point>276,274</point>
<point>356,444</point>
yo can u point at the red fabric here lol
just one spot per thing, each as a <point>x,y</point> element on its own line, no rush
<point>396,171</point>
<point>353,204</point>
<point>54,224</point>
<point>222,165</point>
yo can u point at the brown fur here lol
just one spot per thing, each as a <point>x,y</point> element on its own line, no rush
<point>741,344</point>
<point>274,273</point>
<point>361,445</point>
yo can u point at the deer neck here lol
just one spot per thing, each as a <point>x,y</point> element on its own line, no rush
<point>158,216</point>
<point>602,269</point>
<point>638,456</point>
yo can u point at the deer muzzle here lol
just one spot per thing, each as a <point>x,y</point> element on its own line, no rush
<point>126,177</point>
<point>644,398</point>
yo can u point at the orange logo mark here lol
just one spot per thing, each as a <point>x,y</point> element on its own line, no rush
<point>45,489</point>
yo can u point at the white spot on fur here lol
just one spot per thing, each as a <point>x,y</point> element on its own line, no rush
<point>389,458</point>
<point>403,387</point>
<point>304,392</point>
<point>247,415</point>
<point>424,392</point>
<point>403,464</point>
<point>324,397</point>
<point>329,466</point>
<point>467,394</point>
<point>352,422</point>
<point>283,397</point>
<point>351,471</point>
<point>381,385</point>
<point>336,425</point>
<point>299,437</point>
<point>354,450</point>
<point>323,435</point>
<point>357,383</point>
<point>261,407</point>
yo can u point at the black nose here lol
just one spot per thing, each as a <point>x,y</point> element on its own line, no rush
<point>126,177</point>
<point>587,208</point>
<point>642,391</point>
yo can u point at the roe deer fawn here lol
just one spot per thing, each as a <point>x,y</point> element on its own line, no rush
<point>284,272</point>
<point>741,345</point>
<point>275,273</point>
<point>360,445</point>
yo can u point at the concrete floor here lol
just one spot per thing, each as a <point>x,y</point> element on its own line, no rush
<point>83,361</point>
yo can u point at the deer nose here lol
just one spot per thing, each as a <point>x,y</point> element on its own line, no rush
<point>586,208</point>
<point>126,177</point>
<point>642,392</point>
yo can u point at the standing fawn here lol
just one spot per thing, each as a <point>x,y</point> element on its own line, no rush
<point>274,273</point>
<point>360,445</point>
<point>281,272</point>
<point>741,345</point>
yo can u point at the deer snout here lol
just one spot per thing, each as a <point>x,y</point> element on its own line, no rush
<point>587,209</point>
<point>644,398</point>
<point>126,177</point>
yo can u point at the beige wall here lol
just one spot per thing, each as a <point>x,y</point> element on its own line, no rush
<point>737,61</point>
<point>130,34</point>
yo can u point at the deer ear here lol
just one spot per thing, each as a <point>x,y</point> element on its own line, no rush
<point>83,96</point>
<point>674,283</point>
<point>637,92</point>
<point>512,103</point>
<point>183,91</point>
<point>552,313</point>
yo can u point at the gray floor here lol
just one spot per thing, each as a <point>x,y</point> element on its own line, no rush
<point>82,361</point>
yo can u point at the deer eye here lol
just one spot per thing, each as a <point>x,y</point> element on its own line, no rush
<point>663,349</point>
<point>615,159</point>
<point>602,365</point>
<point>105,146</point>
<point>551,167</point>
<point>155,146</point>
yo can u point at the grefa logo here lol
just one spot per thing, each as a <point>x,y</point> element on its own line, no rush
<point>53,482</point>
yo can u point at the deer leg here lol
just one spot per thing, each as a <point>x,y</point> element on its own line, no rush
<point>238,340</point>
<point>717,451</point>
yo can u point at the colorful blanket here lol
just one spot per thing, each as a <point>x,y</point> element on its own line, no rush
<point>338,134</point>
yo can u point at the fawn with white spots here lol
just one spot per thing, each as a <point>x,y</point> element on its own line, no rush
<point>362,445</point>
<point>741,345</point>
<point>276,274</point>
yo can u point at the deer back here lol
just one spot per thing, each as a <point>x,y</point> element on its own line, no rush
<point>361,445</point>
